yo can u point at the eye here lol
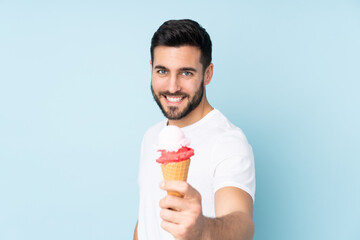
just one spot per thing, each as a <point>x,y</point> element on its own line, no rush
<point>188,74</point>
<point>161,71</point>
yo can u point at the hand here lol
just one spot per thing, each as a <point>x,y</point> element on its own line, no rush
<point>182,217</point>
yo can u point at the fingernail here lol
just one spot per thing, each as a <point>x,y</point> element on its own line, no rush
<point>162,184</point>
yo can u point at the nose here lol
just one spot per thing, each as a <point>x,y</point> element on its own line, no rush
<point>173,84</point>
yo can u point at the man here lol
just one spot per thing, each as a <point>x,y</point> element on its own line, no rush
<point>218,197</point>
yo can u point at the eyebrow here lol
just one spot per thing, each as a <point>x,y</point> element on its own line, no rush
<point>188,69</point>
<point>184,69</point>
<point>160,67</point>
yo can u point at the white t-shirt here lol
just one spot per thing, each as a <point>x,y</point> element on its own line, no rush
<point>222,158</point>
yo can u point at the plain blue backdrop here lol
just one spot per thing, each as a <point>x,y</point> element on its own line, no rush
<point>75,101</point>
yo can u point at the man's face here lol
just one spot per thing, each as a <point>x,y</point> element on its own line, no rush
<point>177,82</point>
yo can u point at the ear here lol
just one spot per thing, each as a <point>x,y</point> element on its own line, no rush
<point>208,74</point>
<point>151,68</point>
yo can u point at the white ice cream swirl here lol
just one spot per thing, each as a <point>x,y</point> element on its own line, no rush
<point>171,139</point>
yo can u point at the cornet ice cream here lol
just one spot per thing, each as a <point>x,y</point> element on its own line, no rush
<point>175,154</point>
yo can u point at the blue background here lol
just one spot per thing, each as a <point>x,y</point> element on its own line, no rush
<point>75,101</point>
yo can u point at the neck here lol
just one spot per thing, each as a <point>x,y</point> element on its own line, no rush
<point>197,114</point>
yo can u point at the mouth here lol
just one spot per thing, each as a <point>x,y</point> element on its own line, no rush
<point>174,99</point>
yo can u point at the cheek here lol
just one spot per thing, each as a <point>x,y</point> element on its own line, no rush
<point>156,85</point>
<point>159,84</point>
<point>191,88</point>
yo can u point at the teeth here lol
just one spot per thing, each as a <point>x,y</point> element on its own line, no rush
<point>174,99</point>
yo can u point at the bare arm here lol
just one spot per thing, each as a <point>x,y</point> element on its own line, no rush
<point>135,232</point>
<point>232,226</point>
<point>233,209</point>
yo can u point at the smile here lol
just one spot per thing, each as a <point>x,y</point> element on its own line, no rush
<point>172,99</point>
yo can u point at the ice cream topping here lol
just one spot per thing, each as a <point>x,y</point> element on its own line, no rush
<point>171,139</point>
<point>173,145</point>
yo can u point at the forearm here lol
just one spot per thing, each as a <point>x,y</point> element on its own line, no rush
<point>235,225</point>
<point>135,232</point>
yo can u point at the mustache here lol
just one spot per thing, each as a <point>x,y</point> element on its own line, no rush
<point>178,93</point>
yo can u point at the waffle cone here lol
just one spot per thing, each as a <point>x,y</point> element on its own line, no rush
<point>175,171</point>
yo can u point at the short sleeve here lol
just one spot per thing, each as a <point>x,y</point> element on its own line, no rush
<point>141,159</point>
<point>233,163</point>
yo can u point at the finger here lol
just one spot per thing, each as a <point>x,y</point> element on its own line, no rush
<point>173,228</point>
<point>172,202</point>
<point>169,215</point>
<point>181,187</point>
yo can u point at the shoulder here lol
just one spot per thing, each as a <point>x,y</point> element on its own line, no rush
<point>230,140</point>
<point>226,129</point>
<point>150,138</point>
<point>153,132</point>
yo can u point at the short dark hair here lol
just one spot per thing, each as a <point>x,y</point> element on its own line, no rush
<point>176,33</point>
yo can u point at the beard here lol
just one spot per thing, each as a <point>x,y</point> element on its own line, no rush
<point>172,112</point>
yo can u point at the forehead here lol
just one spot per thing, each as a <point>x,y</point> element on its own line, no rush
<point>177,57</point>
